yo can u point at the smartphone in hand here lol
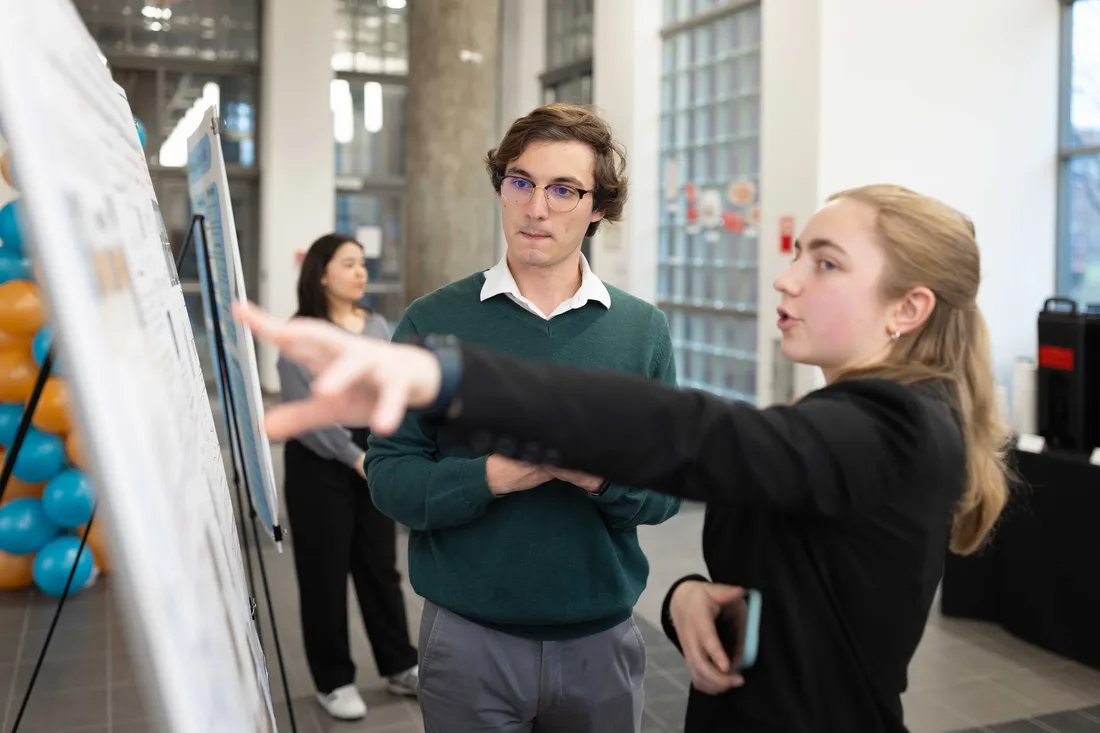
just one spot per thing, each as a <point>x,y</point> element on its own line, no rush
<point>739,629</point>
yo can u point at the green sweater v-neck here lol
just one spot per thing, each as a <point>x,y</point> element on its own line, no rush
<point>553,562</point>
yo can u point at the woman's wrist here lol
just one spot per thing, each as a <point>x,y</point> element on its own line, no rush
<point>436,382</point>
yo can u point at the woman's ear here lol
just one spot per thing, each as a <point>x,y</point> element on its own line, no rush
<point>913,310</point>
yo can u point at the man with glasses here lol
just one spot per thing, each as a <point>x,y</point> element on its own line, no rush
<point>530,573</point>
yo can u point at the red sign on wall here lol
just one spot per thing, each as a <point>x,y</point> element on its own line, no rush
<point>786,234</point>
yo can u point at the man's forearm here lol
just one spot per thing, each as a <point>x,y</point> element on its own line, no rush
<point>425,494</point>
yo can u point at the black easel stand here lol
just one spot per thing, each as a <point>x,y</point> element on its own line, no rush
<point>229,408</point>
<point>5,477</point>
<point>234,448</point>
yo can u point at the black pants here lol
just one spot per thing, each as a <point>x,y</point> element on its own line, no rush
<point>337,530</point>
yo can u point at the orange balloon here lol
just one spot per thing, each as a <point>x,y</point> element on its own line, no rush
<point>16,571</point>
<point>18,489</point>
<point>97,541</point>
<point>6,340</point>
<point>18,372</point>
<point>22,311</point>
<point>52,414</point>
<point>74,448</point>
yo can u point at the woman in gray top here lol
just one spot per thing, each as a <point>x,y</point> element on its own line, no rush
<point>335,527</point>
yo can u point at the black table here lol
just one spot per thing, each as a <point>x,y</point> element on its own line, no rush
<point>1039,578</point>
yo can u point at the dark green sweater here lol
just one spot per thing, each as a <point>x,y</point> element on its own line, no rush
<point>553,562</point>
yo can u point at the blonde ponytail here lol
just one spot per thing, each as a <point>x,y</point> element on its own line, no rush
<point>930,244</point>
<point>986,439</point>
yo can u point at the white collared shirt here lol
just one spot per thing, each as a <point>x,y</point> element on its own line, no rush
<point>499,281</point>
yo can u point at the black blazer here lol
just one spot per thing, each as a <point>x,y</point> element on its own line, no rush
<point>837,509</point>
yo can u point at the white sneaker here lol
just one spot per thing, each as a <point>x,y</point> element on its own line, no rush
<point>406,684</point>
<point>343,703</point>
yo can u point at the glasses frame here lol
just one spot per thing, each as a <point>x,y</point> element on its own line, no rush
<point>582,192</point>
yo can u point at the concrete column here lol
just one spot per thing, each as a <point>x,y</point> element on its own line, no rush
<point>298,183</point>
<point>451,119</point>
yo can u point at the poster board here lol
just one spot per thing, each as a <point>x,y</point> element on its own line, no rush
<point>208,186</point>
<point>135,385</point>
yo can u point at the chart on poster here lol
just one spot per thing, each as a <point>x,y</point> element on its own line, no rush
<point>209,189</point>
<point>136,388</point>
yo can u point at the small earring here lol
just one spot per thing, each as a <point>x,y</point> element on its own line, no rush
<point>895,335</point>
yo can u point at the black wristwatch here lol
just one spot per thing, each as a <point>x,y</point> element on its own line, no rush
<point>449,354</point>
<point>602,490</point>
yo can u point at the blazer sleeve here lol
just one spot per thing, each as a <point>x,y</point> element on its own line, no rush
<point>832,453</point>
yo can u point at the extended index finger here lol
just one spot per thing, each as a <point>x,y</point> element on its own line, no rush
<point>303,340</point>
<point>262,325</point>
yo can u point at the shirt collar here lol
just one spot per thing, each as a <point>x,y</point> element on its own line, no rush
<point>499,281</point>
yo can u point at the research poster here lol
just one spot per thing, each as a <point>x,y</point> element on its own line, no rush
<point>209,190</point>
<point>136,389</point>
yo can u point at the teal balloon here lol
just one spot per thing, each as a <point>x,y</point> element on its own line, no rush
<point>40,346</point>
<point>25,527</point>
<point>11,230</point>
<point>15,267</point>
<point>10,415</point>
<point>41,457</point>
<point>69,499</point>
<point>141,131</point>
<point>54,563</point>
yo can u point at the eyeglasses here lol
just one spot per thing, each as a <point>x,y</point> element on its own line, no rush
<point>559,197</point>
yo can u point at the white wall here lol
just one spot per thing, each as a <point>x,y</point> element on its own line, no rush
<point>626,87</point>
<point>297,196</point>
<point>790,79</point>
<point>973,123</point>
<point>523,58</point>
<point>852,93</point>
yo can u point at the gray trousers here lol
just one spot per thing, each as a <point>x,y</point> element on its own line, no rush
<point>475,679</point>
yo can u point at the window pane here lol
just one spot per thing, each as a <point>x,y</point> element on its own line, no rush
<point>375,220</point>
<point>1080,251</point>
<point>1085,76</point>
<point>185,98</point>
<point>707,277</point>
<point>368,128</point>
<point>568,32</point>
<point>371,36</point>
<point>225,30</point>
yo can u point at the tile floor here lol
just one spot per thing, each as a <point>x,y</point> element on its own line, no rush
<point>965,676</point>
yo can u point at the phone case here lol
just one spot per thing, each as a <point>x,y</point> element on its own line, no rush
<point>752,629</point>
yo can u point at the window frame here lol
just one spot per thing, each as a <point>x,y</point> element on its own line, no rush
<point>1068,152</point>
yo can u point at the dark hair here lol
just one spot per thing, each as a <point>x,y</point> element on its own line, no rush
<point>312,302</point>
<point>561,122</point>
